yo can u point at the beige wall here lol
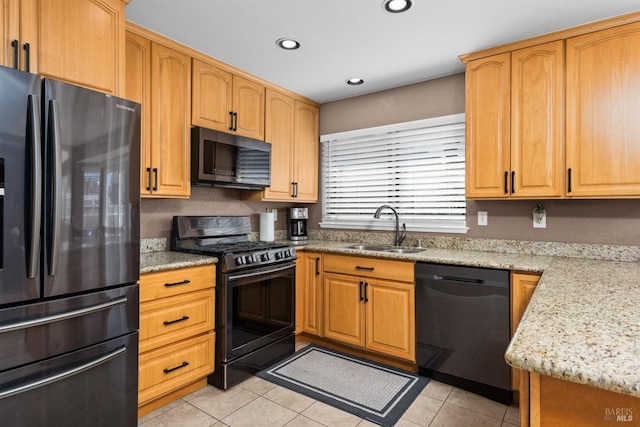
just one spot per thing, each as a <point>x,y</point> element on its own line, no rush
<point>614,222</point>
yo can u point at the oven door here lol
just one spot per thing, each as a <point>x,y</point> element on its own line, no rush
<point>260,308</point>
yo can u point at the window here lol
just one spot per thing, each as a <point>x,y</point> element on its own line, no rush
<point>418,168</point>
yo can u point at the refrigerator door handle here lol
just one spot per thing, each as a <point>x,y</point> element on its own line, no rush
<point>57,377</point>
<point>36,183</point>
<point>56,205</point>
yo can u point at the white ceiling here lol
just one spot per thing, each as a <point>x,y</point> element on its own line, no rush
<point>357,38</point>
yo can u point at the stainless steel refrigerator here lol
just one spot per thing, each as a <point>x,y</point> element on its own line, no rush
<point>69,254</point>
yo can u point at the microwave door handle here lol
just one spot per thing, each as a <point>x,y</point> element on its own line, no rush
<point>56,205</point>
<point>36,183</point>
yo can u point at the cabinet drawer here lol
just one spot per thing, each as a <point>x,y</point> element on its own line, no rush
<point>176,282</point>
<point>401,271</point>
<point>171,367</point>
<point>172,319</point>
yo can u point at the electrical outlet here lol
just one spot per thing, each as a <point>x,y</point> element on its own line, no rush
<point>541,221</point>
<point>275,214</point>
<point>483,217</point>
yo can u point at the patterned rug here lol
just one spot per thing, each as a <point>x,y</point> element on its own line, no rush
<point>378,393</point>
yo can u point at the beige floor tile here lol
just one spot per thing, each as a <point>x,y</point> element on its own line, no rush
<point>330,416</point>
<point>367,423</point>
<point>181,415</point>
<point>513,415</point>
<point>406,423</point>
<point>477,403</point>
<point>422,410</point>
<point>159,411</point>
<point>289,399</point>
<point>456,416</point>
<point>257,385</point>
<point>302,421</point>
<point>506,424</point>
<point>260,412</point>
<point>220,403</point>
<point>437,390</point>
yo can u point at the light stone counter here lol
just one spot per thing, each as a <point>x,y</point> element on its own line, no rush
<point>583,322</point>
<point>159,261</point>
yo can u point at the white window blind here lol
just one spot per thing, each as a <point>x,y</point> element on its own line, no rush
<point>417,167</point>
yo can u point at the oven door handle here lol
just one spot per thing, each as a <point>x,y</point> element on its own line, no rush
<point>259,273</point>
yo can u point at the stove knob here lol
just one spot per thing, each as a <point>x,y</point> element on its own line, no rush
<point>287,253</point>
<point>264,257</point>
<point>278,255</point>
<point>239,260</point>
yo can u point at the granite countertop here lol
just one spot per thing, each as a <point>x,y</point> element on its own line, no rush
<point>151,262</point>
<point>583,321</point>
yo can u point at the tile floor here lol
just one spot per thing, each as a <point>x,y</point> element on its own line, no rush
<point>256,402</point>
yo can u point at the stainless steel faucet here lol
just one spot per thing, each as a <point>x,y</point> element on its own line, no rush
<point>399,237</point>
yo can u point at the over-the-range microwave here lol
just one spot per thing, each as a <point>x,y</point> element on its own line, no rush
<point>225,160</point>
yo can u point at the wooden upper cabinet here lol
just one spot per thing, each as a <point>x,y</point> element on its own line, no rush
<point>487,106</point>
<point>307,141</point>
<point>515,124</point>
<point>603,105</point>
<point>279,132</point>
<point>80,42</point>
<point>212,96</point>
<point>537,118</point>
<point>226,102</point>
<point>291,126</point>
<point>170,122</point>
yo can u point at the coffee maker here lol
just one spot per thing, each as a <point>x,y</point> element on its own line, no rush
<point>297,224</point>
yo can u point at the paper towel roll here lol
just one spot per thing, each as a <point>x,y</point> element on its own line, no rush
<point>267,226</point>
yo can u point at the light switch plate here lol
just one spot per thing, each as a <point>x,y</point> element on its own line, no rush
<point>542,223</point>
<point>275,214</point>
<point>483,217</point>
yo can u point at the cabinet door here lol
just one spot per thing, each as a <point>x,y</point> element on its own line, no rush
<point>306,146</point>
<point>211,96</point>
<point>82,42</point>
<point>488,129</point>
<point>138,73</point>
<point>279,132</point>
<point>390,318</point>
<point>248,104</point>
<point>603,129</point>
<point>312,294</point>
<point>170,121</point>
<point>18,19</point>
<point>343,309</point>
<point>537,112</point>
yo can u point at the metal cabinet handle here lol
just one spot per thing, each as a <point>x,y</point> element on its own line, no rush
<point>27,58</point>
<point>235,121</point>
<point>317,266</point>
<point>230,120</point>
<point>184,282</point>
<point>155,182</point>
<point>14,45</point>
<point>358,267</point>
<point>569,180</point>
<point>506,177</point>
<point>366,298</point>
<point>513,182</point>
<point>167,370</point>
<point>55,378</point>
<point>171,322</point>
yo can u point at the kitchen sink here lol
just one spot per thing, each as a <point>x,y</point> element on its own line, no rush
<point>366,248</point>
<point>384,249</point>
<point>404,250</point>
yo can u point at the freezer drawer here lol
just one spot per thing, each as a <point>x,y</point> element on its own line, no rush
<point>33,332</point>
<point>95,386</point>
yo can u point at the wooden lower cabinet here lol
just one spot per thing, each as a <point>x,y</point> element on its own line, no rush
<point>309,293</point>
<point>522,287</point>
<point>370,310</point>
<point>555,402</point>
<point>176,334</point>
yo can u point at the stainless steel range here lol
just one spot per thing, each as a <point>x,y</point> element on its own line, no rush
<point>255,293</point>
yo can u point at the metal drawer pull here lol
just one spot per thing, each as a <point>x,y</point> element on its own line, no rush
<point>184,282</point>
<point>364,268</point>
<point>63,316</point>
<point>54,378</point>
<point>171,322</point>
<point>166,371</point>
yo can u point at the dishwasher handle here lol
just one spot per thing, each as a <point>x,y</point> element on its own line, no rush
<point>458,279</point>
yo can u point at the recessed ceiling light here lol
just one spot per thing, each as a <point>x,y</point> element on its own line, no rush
<point>396,6</point>
<point>288,44</point>
<point>355,81</point>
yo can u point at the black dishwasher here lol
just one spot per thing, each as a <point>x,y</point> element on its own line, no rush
<point>462,327</point>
